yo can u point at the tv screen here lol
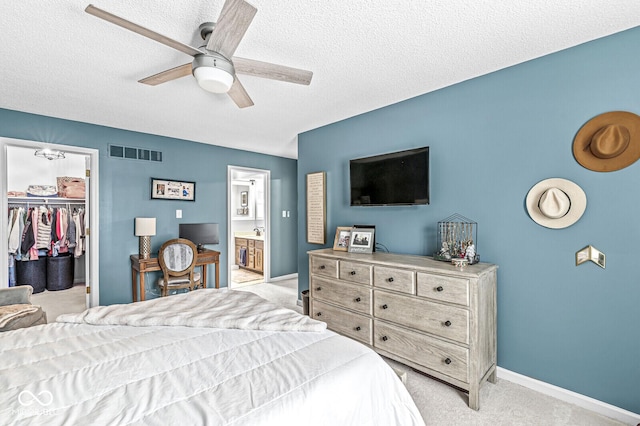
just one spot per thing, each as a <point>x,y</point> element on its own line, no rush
<point>200,233</point>
<point>397,178</point>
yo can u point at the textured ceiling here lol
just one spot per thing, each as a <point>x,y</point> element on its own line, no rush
<point>59,61</point>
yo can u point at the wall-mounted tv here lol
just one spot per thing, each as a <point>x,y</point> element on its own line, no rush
<point>397,178</point>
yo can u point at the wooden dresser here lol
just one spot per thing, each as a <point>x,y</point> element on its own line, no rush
<point>421,312</point>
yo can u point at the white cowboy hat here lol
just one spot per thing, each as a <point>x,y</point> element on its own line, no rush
<point>556,203</point>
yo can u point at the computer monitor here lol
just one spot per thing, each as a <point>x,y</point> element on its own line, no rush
<point>200,233</point>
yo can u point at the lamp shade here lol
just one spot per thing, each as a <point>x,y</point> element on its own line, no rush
<point>145,226</point>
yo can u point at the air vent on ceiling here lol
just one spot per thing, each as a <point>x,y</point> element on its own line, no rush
<point>132,153</point>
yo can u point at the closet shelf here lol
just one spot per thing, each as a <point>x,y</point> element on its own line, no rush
<point>46,200</point>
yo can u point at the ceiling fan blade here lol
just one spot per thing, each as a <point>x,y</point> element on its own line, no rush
<point>272,71</point>
<point>121,22</point>
<point>234,20</point>
<point>240,95</point>
<point>168,75</point>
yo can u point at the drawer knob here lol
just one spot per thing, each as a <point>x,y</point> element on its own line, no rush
<point>447,323</point>
<point>319,314</point>
<point>384,306</point>
<point>352,272</point>
<point>439,288</point>
<point>358,328</point>
<point>322,267</point>
<point>357,299</point>
<point>385,338</point>
<point>447,361</point>
<point>390,279</point>
<point>318,288</point>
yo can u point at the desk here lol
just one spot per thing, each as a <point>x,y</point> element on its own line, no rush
<point>139,267</point>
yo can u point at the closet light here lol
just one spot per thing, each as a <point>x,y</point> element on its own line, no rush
<point>49,154</point>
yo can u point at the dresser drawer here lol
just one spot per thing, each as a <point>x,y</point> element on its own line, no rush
<point>355,272</point>
<point>252,243</point>
<point>260,245</point>
<point>394,279</point>
<point>441,287</point>
<point>324,266</point>
<point>350,296</point>
<point>348,323</point>
<point>442,320</point>
<point>446,358</point>
<point>241,242</point>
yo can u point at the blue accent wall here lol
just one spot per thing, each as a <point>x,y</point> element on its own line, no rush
<point>491,139</point>
<point>125,193</point>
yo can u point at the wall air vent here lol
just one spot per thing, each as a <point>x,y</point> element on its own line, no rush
<point>132,153</point>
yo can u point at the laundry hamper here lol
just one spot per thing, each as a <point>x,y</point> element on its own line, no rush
<point>60,272</point>
<point>33,273</point>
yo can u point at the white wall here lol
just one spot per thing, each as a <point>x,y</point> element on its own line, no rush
<point>24,169</point>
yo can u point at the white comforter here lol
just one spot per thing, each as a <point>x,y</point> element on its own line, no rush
<point>80,374</point>
<point>201,308</point>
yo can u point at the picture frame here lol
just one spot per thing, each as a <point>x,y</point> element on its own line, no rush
<point>168,189</point>
<point>244,199</point>
<point>343,236</point>
<point>316,207</point>
<point>361,240</point>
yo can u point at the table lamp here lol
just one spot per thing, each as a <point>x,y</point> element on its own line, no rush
<point>145,228</point>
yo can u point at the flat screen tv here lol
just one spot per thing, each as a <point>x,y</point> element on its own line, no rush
<point>397,178</point>
<point>200,233</point>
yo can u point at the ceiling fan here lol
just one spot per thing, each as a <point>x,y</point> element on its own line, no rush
<point>214,66</point>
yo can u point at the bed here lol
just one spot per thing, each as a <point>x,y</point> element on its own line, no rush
<point>204,357</point>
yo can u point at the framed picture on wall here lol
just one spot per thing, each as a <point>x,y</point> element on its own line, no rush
<point>341,241</point>
<point>165,189</point>
<point>361,240</point>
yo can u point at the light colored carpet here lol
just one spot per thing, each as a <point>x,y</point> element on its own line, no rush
<point>56,303</point>
<point>504,403</point>
<point>244,276</point>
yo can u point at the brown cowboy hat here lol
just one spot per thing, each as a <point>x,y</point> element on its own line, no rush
<point>608,142</point>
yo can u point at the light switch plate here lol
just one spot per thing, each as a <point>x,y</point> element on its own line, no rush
<point>178,214</point>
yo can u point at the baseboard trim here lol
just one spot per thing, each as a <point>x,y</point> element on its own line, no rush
<point>285,277</point>
<point>571,397</point>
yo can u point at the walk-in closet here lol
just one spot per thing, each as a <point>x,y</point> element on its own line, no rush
<point>46,223</point>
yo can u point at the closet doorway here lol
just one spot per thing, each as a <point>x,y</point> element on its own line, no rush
<point>64,269</point>
<point>249,230</point>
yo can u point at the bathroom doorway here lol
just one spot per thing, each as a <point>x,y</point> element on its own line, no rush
<point>249,248</point>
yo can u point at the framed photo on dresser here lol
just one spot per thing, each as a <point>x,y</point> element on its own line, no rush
<point>361,240</point>
<point>343,236</point>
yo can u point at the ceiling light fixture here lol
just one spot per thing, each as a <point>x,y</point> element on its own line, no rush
<point>49,154</point>
<point>213,72</point>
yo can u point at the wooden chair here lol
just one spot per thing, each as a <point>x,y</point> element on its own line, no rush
<point>177,260</point>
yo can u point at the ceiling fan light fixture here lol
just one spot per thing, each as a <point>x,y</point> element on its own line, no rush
<point>214,73</point>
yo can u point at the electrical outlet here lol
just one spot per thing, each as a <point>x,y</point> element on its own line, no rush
<point>284,213</point>
<point>288,213</point>
<point>178,214</point>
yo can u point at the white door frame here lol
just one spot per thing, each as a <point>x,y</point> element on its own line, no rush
<point>92,238</point>
<point>266,272</point>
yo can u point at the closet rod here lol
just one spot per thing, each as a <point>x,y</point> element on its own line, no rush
<point>45,200</point>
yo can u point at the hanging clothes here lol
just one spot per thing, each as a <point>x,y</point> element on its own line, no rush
<point>15,216</point>
<point>28,240</point>
<point>43,240</point>
<point>78,218</point>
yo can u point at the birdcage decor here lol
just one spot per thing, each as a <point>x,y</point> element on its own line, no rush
<point>457,239</point>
